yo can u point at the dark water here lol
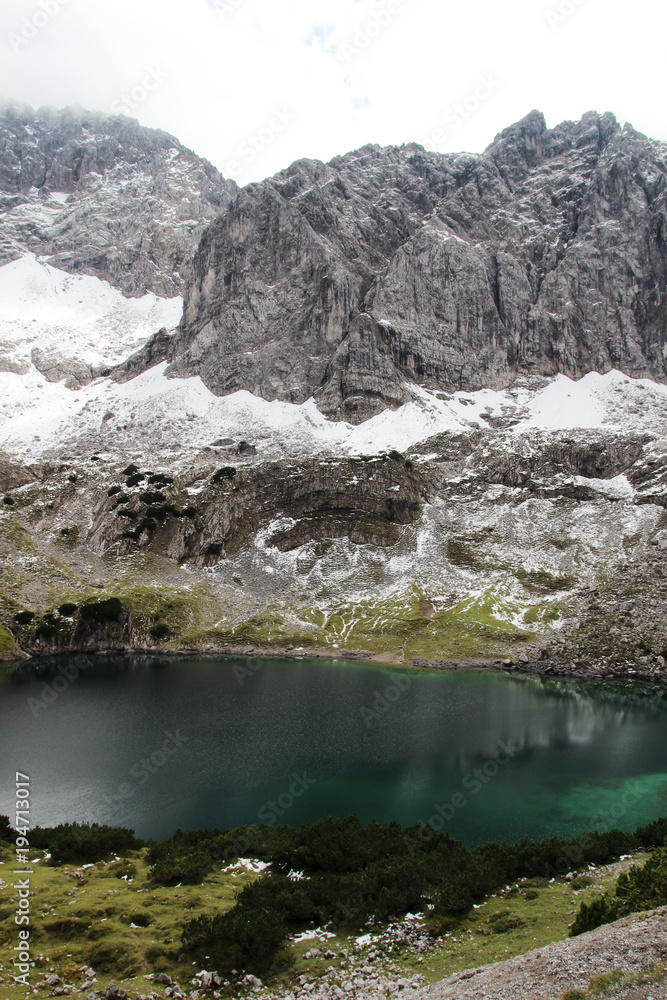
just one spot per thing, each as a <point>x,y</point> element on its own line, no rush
<point>158,743</point>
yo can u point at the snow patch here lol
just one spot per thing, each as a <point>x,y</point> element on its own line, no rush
<point>84,318</point>
<point>618,488</point>
<point>364,939</point>
<point>319,933</point>
<point>74,316</point>
<point>250,865</point>
<point>595,401</point>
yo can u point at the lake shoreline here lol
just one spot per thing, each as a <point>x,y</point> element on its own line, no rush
<point>540,668</point>
<point>156,743</point>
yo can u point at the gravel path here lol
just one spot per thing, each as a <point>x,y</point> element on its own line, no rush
<point>634,944</point>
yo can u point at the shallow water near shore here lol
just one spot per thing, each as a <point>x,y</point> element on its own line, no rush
<point>157,743</point>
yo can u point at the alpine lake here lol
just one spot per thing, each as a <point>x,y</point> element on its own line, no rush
<point>158,743</point>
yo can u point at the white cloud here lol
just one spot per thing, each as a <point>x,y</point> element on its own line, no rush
<point>254,84</point>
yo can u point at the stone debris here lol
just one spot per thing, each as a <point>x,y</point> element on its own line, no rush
<point>634,944</point>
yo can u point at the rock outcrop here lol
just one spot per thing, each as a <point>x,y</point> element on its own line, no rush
<point>347,280</point>
<point>634,945</point>
<point>365,500</point>
<point>101,195</point>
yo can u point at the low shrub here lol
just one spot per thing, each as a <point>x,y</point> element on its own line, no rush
<point>152,497</point>
<point>654,834</point>
<point>160,631</point>
<point>83,842</point>
<point>102,612</point>
<point>189,868</point>
<point>161,512</point>
<point>122,869</point>
<point>354,873</point>
<point>643,887</point>
<point>24,617</point>
<point>222,475</point>
<point>581,882</point>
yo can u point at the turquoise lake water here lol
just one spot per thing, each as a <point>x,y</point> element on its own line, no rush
<point>160,743</point>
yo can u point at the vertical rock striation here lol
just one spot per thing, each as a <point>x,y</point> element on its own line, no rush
<point>347,280</point>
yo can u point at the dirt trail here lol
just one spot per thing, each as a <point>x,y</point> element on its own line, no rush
<point>634,944</point>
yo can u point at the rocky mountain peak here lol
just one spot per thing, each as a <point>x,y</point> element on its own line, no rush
<point>384,267</point>
<point>102,195</point>
<point>529,143</point>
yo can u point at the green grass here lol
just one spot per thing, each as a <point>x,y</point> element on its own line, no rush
<point>403,626</point>
<point>167,616</point>
<point>476,628</point>
<point>376,626</point>
<point>527,922</point>
<point>268,629</point>
<point>399,625</point>
<point>8,647</point>
<point>608,983</point>
<point>87,920</point>
<point>542,614</point>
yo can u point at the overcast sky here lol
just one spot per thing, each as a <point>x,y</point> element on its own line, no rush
<point>255,84</point>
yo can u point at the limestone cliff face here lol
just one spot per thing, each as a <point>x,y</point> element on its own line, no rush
<point>469,526</point>
<point>347,280</point>
<point>101,195</point>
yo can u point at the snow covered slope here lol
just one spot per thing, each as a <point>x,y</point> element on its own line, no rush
<point>152,415</point>
<point>509,509</point>
<point>69,327</point>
